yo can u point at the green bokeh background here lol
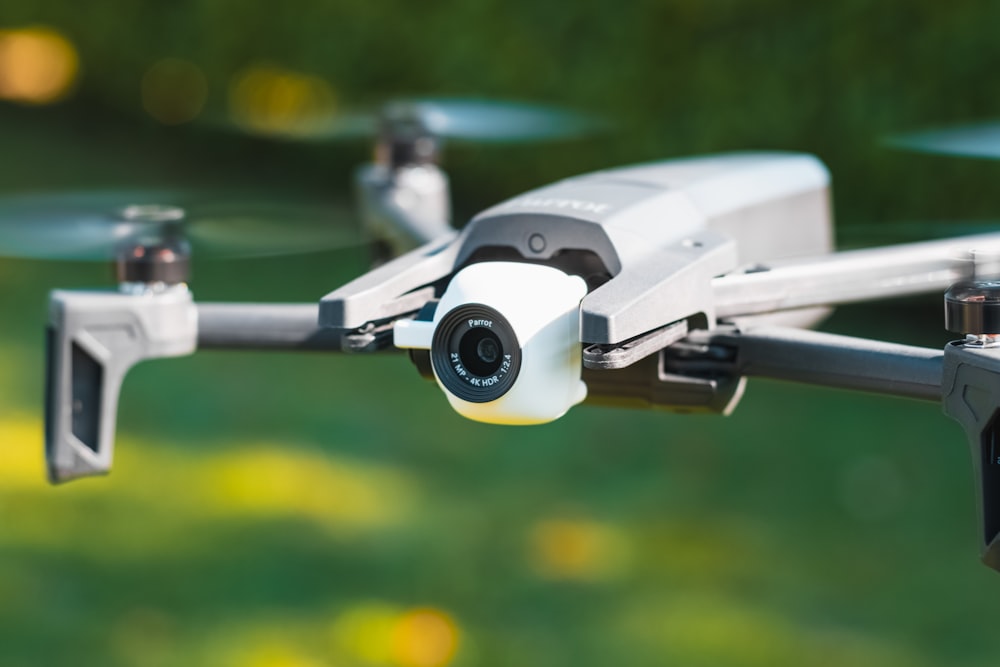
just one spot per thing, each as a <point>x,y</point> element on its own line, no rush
<point>258,500</point>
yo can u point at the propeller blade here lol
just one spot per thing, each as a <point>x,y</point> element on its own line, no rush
<point>979,140</point>
<point>461,119</point>
<point>93,226</point>
<point>495,121</point>
<point>270,228</point>
<point>316,125</point>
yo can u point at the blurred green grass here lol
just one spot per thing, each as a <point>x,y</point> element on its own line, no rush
<point>257,501</point>
<point>302,510</point>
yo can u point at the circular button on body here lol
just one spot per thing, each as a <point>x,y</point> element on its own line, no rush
<point>536,242</point>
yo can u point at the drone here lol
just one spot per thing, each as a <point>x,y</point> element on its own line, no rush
<point>654,286</point>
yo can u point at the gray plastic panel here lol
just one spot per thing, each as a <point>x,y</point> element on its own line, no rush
<point>94,338</point>
<point>971,387</point>
<point>653,226</point>
<point>382,293</point>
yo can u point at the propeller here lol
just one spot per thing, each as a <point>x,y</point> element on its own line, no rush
<point>96,226</point>
<point>452,118</point>
<point>975,140</point>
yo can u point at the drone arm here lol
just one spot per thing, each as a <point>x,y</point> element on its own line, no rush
<point>966,378</point>
<point>855,275</point>
<point>404,207</point>
<point>95,337</point>
<point>818,358</point>
<point>264,326</point>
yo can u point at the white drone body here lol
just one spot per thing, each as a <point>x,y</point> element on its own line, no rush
<point>648,238</point>
<point>653,286</point>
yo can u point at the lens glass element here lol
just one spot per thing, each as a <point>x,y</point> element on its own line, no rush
<point>479,350</point>
<point>488,350</point>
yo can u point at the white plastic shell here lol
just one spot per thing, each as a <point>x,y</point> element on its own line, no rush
<point>542,305</point>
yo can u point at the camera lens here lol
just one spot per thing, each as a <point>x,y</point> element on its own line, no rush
<point>479,350</point>
<point>475,353</point>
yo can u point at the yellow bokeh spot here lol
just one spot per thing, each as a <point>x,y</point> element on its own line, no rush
<point>110,518</point>
<point>272,480</point>
<point>277,101</point>
<point>276,655</point>
<point>258,644</point>
<point>365,632</point>
<point>424,638</point>
<point>576,548</point>
<point>174,91</point>
<point>23,463</point>
<point>378,633</point>
<point>38,65</point>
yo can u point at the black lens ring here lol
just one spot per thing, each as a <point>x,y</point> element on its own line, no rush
<point>448,366</point>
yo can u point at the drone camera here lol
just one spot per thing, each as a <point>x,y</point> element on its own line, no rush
<point>478,353</point>
<point>504,342</point>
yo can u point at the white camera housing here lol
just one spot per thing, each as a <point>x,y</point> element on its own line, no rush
<point>505,342</point>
